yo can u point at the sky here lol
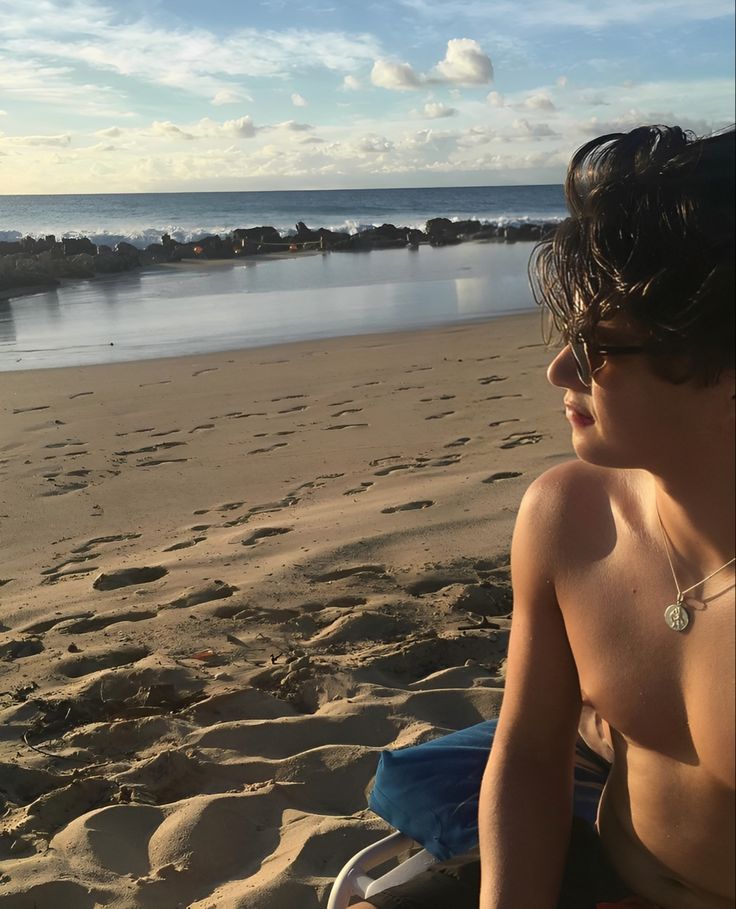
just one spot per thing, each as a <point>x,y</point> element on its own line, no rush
<point>177,95</point>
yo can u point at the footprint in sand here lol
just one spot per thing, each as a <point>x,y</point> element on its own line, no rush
<point>80,394</point>
<point>418,369</point>
<point>203,427</point>
<point>69,567</point>
<point>340,403</point>
<point>201,372</point>
<point>490,357</point>
<point>408,506</point>
<point>366,384</point>
<point>458,443</point>
<point>98,541</point>
<point>347,426</point>
<point>286,398</point>
<point>341,413</point>
<point>446,461</point>
<point>438,398</point>
<point>486,380</point>
<point>341,573</point>
<point>100,658</point>
<point>30,409</point>
<point>64,444</point>
<point>386,471</point>
<point>98,622</point>
<point>63,489</point>
<point>270,448</point>
<point>212,590</point>
<point>521,438</point>
<point>125,577</point>
<point>185,544</point>
<point>501,397</point>
<point>378,461</point>
<point>149,462</point>
<point>440,416</point>
<point>121,435</point>
<point>230,506</point>
<point>167,432</point>
<point>263,533</point>
<point>162,382</point>
<point>364,487</point>
<point>501,422</point>
<point>160,446</point>
<point>502,475</point>
<point>298,408</point>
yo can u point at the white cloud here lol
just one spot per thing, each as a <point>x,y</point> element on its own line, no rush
<point>293,126</point>
<point>112,132</point>
<point>31,80</point>
<point>242,128</point>
<point>63,140</point>
<point>396,76</point>
<point>299,100</point>
<point>533,130</point>
<point>374,145</point>
<point>495,99</point>
<point>168,130</point>
<point>539,102</point>
<point>230,96</point>
<point>465,63</point>
<point>562,81</point>
<point>86,33</point>
<point>350,84</point>
<point>435,110</point>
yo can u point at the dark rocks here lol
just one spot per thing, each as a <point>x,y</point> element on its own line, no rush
<point>75,245</point>
<point>24,272</point>
<point>36,263</point>
<point>442,231</point>
<point>130,254</point>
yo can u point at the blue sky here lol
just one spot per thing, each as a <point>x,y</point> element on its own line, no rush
<point>167,96</point>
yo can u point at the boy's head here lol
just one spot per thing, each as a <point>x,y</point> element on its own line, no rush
<point>650,238</point>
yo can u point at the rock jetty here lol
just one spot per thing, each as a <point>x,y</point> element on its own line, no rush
<point>33,264</point>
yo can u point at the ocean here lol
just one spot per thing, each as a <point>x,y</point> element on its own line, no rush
<point>141,218</point>
<point>197,308</point>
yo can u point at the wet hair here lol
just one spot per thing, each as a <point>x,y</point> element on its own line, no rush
<point>651,236</point>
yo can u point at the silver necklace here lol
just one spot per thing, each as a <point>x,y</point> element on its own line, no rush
<point>675,615</point>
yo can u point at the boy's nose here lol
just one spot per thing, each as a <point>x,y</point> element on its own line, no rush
<point>563,373</point>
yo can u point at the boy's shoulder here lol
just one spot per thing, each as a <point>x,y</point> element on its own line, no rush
<point>574,503</point>
<point>574,482</point>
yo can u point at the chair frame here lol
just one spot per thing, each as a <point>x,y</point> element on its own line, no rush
<point>355,881</point>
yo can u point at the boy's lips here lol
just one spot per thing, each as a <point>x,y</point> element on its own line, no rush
<point>577,416</point>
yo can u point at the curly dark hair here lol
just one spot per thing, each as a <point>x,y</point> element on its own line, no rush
<point>650,235</point>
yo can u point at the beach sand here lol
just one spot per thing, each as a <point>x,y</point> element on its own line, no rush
<point>228,581</point>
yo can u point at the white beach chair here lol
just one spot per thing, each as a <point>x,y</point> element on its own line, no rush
<point>354,880</point>
<point>429,794</point>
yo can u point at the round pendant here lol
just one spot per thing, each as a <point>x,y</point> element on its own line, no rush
<point>676,617</point>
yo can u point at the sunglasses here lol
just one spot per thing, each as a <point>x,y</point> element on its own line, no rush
<point>589,358</point>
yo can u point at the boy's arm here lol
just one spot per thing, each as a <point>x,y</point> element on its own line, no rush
<point>526,795</point>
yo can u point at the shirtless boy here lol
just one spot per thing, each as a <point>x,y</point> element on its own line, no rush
<point>640,283</point>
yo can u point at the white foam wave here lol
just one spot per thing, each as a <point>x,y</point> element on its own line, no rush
<point>142,237</point>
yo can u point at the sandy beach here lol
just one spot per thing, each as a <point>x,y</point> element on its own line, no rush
<point>228,581</point>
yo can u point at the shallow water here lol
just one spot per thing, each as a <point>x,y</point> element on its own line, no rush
<point>168,311</point>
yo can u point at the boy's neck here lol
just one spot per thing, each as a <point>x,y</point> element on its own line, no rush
<point>696,507</point>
